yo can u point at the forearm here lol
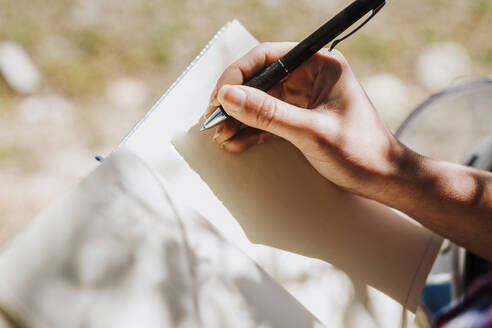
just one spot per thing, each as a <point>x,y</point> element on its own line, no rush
<point>452,200</point>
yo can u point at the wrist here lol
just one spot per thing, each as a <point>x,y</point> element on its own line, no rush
<point>394,182</point>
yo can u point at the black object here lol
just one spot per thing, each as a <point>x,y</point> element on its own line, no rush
<point>275,72</point>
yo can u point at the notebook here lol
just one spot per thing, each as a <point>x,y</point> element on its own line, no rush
<point>349,261</point>
<point>271,196</point>
<point>119,251</point>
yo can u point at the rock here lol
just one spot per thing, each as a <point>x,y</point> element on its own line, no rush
<point>17,68</point>
<point>440,64</point>
<point>48,122</point>
<point>126,93</point>
<point>47,109</point>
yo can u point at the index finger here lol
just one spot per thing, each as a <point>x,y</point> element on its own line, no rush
<point>247,66</point>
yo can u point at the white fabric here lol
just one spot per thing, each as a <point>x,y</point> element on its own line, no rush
<point>119,252</point>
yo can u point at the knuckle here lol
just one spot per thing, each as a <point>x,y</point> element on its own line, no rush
<point>266,45</point>
<point>334,57</point>
<point>258,51</point>
<point>227,71</point>
<point>231,75</point>
<point>339,57</point>
<point>262,47</point>
<point>266,113</point>
<point>337,54</point>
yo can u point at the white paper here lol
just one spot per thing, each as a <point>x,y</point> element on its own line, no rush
<point>381,258</point>
<point>350,295</point>
<point>118,251</point>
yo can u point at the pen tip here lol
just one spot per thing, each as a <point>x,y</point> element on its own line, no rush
<point>202,129</point>
<point>217,117</point>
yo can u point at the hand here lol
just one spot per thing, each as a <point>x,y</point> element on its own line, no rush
<point>320,108</point>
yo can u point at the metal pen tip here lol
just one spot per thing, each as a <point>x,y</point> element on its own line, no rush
<point>217,117</point>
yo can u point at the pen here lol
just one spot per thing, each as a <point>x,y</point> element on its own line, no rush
<point>276,71</point>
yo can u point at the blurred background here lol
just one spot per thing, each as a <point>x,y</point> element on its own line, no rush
<point>76,75</point>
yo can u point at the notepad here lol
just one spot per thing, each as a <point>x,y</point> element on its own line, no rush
<point>119,251</point>
<point>271,196</point>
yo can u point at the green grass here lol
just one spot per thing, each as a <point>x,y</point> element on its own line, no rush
<point>155,37</point>
<point>91,40</point>
<point>77,78</point>
<point>22,159</point>
<point>161,46</point>
<point>482,8</point>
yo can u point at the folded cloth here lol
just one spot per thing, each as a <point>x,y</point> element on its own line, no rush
<point>119,251</point>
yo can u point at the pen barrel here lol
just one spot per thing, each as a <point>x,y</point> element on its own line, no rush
<point>328,32</point>
<point>269,77</point>
<point>264,81</point>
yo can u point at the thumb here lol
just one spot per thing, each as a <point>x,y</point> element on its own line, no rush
<point>259,110</point>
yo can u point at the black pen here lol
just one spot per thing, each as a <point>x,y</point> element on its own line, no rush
<point>275,72</point>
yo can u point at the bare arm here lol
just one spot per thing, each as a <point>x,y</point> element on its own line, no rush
<point>453,200</point>
<point>322,110</point>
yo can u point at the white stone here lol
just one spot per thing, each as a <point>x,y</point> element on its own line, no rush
<point>441,64</point>
<point>48,122</point>
<point>127,93</point>
<point>18,69</point>
<point>47,109</point>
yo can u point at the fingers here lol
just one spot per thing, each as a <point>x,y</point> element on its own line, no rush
<point>259,110</point>
<point>247,66</point>
<point>209,111</point>
<point>226,130</point>
<point>256,59</point>
<point>213,103</point>
<point>245,139</point>
<point>239,72</point>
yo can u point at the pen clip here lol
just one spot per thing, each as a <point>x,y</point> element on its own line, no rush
<point>374,13</point>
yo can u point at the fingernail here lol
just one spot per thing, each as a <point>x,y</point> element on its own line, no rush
<point>232,96</point>
<point>218,131</point>
<point>210,109</point>
<point>213,99</point>
<point>222,145</point>
<point>214,102</point>
<point>213,95</point>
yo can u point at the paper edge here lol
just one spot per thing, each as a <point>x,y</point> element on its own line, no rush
<point>197,58</point>
<point>428,258</point>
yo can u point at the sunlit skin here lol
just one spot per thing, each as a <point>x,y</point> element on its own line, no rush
<point>322,110</point>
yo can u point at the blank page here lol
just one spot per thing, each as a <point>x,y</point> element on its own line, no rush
<point>378,259</point>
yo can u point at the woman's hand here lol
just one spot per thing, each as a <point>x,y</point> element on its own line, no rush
<point>320,108</point>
